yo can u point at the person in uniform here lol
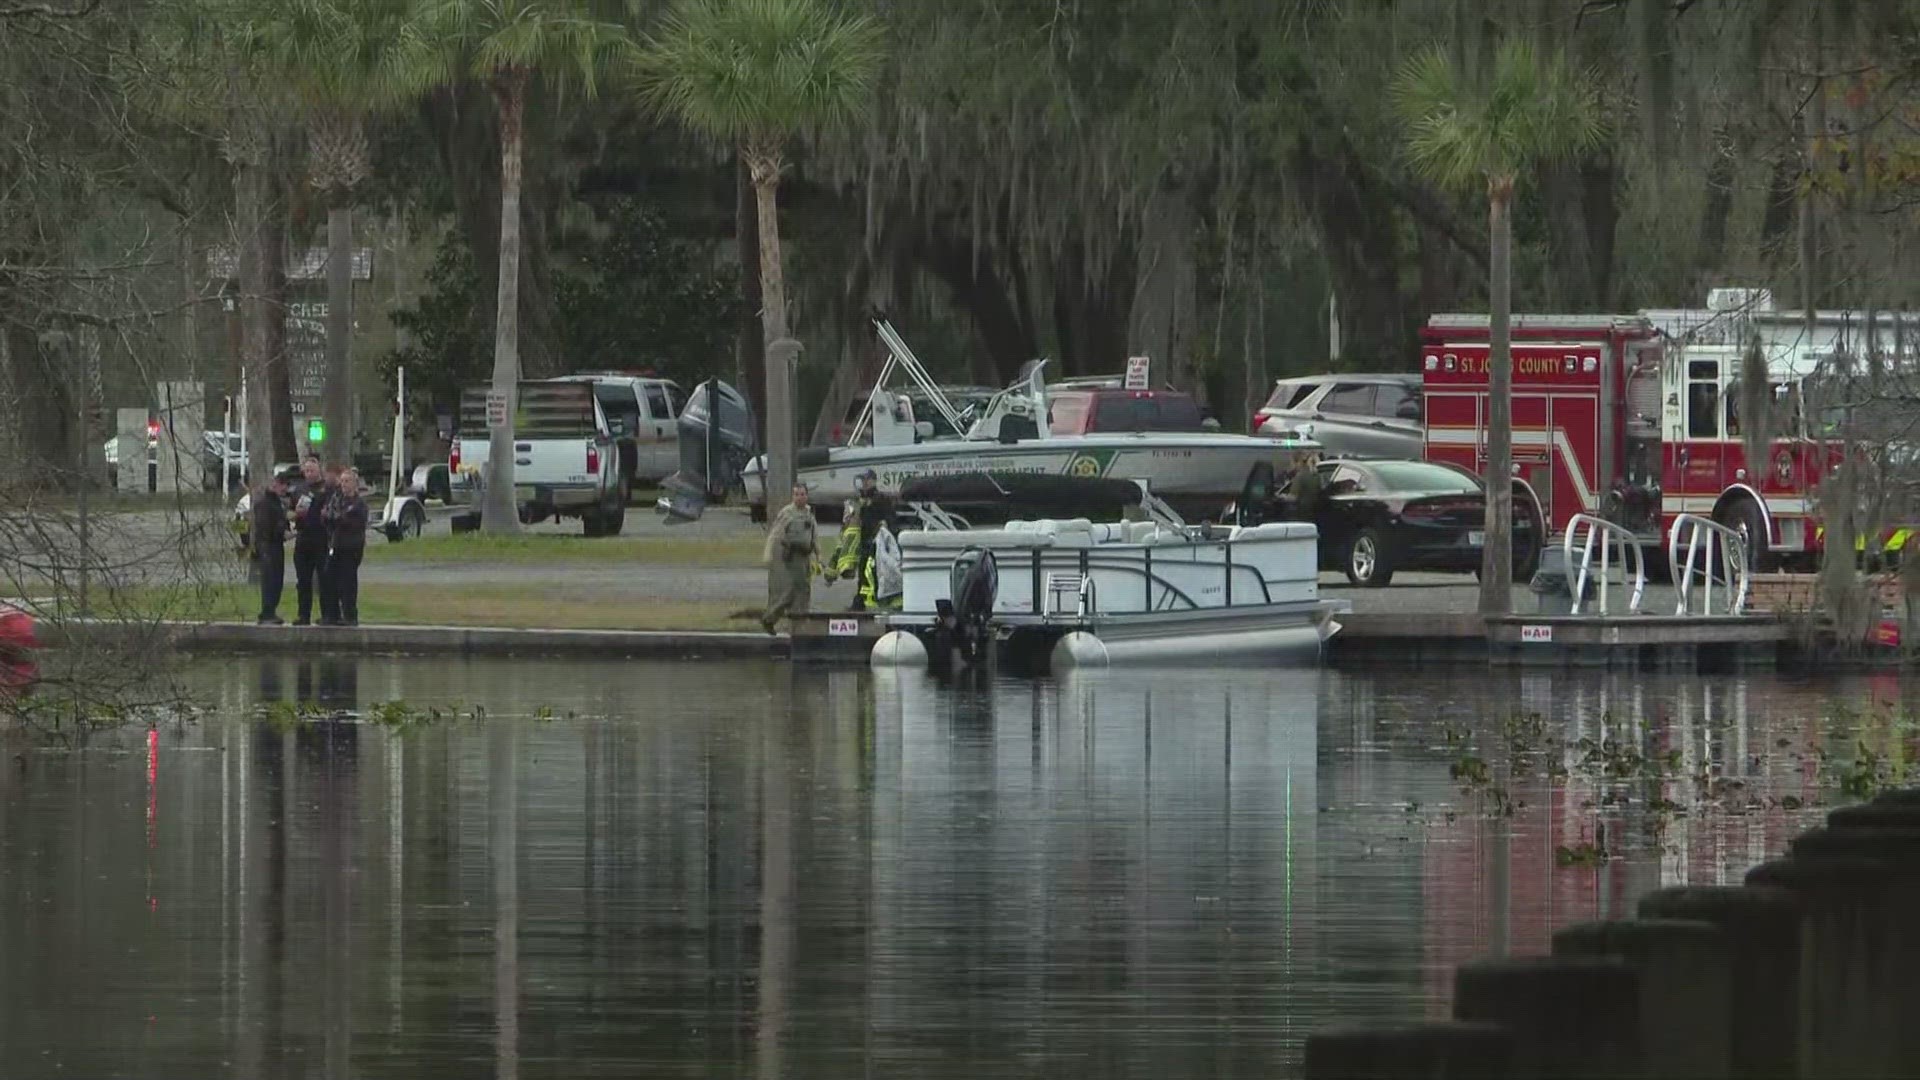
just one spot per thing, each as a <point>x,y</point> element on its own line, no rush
<point>268,535</point>
<point>346,518</point>
<point>310,540</point>
<point>1304,490</point>
<point>861,521</point>
<point>792,542</point>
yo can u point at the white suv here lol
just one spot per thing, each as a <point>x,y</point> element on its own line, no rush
<point>1374,416</point>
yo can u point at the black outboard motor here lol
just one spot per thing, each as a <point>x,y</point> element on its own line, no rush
<point>967,621</point>
<point>712,455</point>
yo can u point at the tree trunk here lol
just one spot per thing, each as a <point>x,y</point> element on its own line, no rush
<point>43,400</point>
<point>779,475</point>
<point>339,400</point>
<point>1600,214</point>
<point>1712,249</point>
<point>750,353</point>
<point>1092,311</point>
<point>278,383</point>
<point>987,292</point>
<point>1496,559</point>
<point>257,312</point>
<point>498,511</point>
<point>1360,237</point>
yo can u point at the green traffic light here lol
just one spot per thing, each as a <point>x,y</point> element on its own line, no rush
<point>316,431</point>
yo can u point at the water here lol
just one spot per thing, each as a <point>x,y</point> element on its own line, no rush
<point>745,869</point>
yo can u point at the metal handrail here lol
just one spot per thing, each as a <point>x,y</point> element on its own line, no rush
<point>1610,535</point>
<point>1733,572</point>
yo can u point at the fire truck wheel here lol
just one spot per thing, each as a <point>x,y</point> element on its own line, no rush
<point>1368,565</point>
<point>1743,515</point>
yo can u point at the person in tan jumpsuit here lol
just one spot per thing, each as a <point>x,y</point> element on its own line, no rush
<point>792,543</point>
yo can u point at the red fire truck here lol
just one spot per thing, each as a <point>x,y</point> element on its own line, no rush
<point>1613,418</point>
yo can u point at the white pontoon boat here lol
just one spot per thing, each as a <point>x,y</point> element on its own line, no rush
<point>1062,593</point>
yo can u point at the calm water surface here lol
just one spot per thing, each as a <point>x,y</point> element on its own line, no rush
<point>725,870</point>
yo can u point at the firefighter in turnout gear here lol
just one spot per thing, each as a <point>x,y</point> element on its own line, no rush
<point>860,523</point>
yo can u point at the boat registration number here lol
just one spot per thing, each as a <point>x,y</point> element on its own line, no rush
<point>1477,538</point>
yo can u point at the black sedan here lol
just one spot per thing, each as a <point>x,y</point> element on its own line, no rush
<point>1377,517</point>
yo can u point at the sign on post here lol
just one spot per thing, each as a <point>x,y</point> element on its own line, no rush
<point>1137,372</point>
<point>496,409</point>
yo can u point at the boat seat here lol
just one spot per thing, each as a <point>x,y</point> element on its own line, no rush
<point>960,540</point>
<point>1141,532</point>
<point>1278,530</point>
<point>1110,532</point>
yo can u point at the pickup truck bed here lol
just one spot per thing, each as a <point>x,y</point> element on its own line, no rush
<point>565,460</point>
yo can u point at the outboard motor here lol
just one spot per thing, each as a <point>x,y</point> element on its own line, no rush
<point>966,620</point>
<point>712,454</point>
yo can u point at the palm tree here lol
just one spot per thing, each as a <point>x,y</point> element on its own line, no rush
<point>1532,110</point>
<point>756,75</point>
<point>506,45</point>
<point>345,59</point>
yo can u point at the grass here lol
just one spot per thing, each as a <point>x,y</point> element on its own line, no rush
<point>398,605</point>
<point>546,549</point>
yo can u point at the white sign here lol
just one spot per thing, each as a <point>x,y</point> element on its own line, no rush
<point>496,409</point>
<point>1137,372</point>
<point>1536,633</point>
<point>843,627</point>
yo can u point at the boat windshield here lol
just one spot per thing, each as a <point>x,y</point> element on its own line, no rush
<point>1145,411</point>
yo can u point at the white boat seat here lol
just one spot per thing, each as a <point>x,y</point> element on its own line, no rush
<point>1141,532</point>
<point>962,539</point>
<point>1279,530</point>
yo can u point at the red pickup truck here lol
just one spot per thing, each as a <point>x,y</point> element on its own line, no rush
<point>1089,412</point>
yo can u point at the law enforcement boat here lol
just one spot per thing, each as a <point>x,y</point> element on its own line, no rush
<point>1197,473</point>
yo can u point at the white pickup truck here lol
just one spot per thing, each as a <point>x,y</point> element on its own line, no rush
<point>650,408</point>
<point>565,456</point>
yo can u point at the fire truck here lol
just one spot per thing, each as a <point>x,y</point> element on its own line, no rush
<point>1614,417</point>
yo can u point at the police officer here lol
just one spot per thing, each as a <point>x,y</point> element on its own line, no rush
<point>268,533</point>
<point>346,517</point>
<point>792,541</point>
<point>310,540</point>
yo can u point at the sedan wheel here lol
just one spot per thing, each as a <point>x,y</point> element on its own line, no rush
<point>1367,564</point>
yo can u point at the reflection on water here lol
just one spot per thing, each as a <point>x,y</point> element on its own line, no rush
<point>720,869</point>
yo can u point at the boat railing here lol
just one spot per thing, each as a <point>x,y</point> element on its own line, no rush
<point>901,358</point>
<point>1588,536</point>
<point>1158,592</point>
<point>933,518</point>
<point>1704,553</point>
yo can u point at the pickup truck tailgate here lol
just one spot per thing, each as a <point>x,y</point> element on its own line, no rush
<point>558,442</point>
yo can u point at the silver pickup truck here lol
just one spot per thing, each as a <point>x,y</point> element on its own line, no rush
<point>565,456</point>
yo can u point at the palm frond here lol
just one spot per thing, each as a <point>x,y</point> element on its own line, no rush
<point>344,54</point>
<point>1532,109</point>
<point>554,39</point>
<point>760,69</point>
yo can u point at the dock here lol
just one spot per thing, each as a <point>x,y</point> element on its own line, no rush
<point>1370,638</point>
<point>1425,617</point>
